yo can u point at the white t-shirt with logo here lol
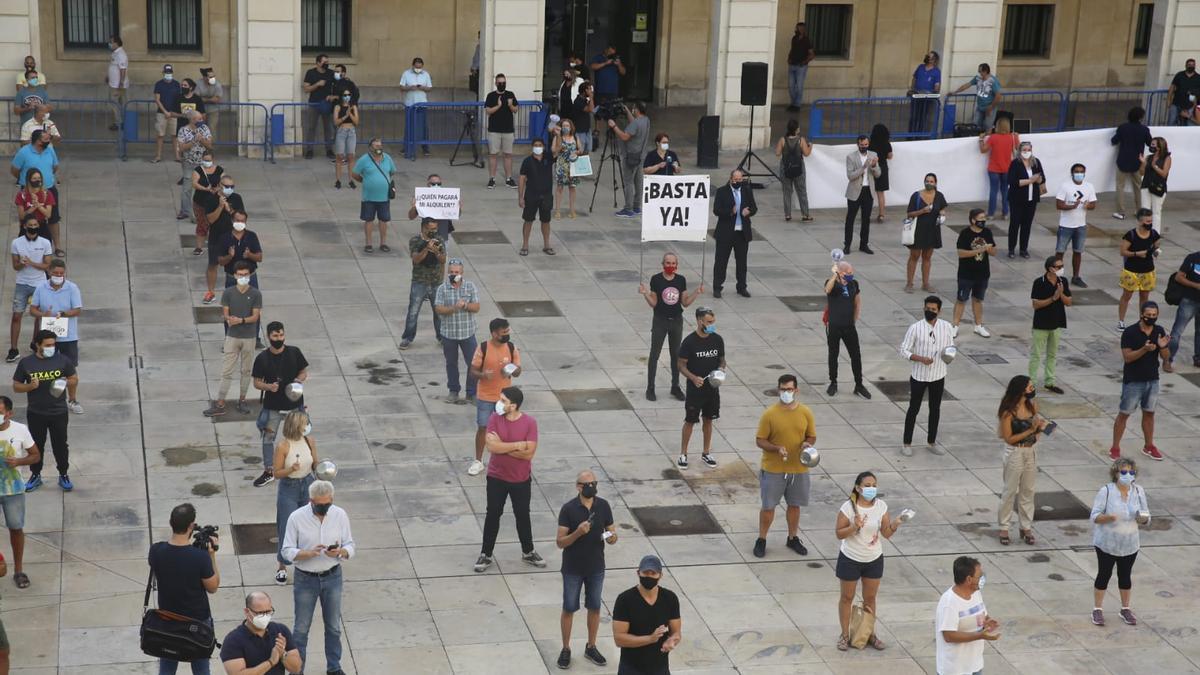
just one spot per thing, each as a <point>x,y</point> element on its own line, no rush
<point>865,545</point>
<point>15,441</point>
<point>1070,192</point>
<point>35,250</point>
<point>954,613</point>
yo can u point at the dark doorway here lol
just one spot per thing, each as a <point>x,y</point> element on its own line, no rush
<point>586,27</point>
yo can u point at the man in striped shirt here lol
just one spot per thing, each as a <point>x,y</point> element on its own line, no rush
<point>457,302</point>
<point>923,345</point>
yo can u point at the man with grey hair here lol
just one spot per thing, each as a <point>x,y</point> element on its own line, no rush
<point>457,302</point>
<point>317,539</point>
<point>585,526</point>
<point>844,304</point>
<point>40,120</point>
<point>258,642</point>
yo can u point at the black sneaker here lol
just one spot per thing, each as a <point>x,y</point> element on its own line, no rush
<point>1078,281</point>
<point>532,558</point>
<point>708,460</point>
<point>13,355</point>
<point>861,391</point>
<point>484,562</point>
<point>510,182</point>
<point>831,390</point>
<point>1055,388</point>
<point>564,659</point>
<point>678,394</point>
<point>592,654</point>
<point>794,544</point>
<point>650,395</point>
<point>760,548</point>
<point>491,184</point>
<point>265,479</point>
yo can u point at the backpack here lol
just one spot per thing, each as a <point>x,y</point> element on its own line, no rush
<point>793,161</point>
<point>512,354</point>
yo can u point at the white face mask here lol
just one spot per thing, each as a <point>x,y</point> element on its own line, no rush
<point>168,77</point>
<point>499,407</point>
<point>58,280</point>
<point>48,351</point>
<point>417,70</point>
<point>538,150</point>
<point>239,225</point>
<point>206,164</point>
<point>1026,154</point>
<point>307,427</point>
<point>787,397</point>
<point>212,80</point>
<point>665,146</point>
<point>227,190</point>
<point>337,76</point>
<point>243,281</point>
<point>261,621</point>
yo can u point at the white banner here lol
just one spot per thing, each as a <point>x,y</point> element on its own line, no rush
<point>962,170</point>
<point>675,208</point>
<point>437,202</point>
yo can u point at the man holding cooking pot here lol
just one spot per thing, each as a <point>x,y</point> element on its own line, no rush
<point>785,431</point>
<point>702,363</point>
<point>279,373</point>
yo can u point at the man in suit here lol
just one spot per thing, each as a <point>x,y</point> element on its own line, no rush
<point>862,168</point>
<point>734,207</point>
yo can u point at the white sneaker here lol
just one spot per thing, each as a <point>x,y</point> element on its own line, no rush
<point>476,468</point>
<point>75,407</point>
<point>1118,215</point>
<point>1120,326</point>
<point>982,332</point>
<point>953,330</point>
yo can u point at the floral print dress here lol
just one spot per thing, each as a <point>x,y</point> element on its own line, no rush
<point>562,164</point>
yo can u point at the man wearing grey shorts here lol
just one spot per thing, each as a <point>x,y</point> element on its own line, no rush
<point>784,431</point>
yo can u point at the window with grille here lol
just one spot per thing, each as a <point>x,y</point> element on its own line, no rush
<point>325,25</point>
<point>1027,30</point>
<point>829,29</point>
<point>89,23</point>
<point>174,24</point>
<point>1141,35</point>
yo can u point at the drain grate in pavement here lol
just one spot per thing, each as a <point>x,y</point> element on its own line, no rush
<point>254,538</point>
<point>897,391</point>
<point>985,359</point>
<point>1060,505</point>
<point>208,314</point>
<point>518,309</point>
<point>663,521</point>
<point>621,276</point>
<point>1194,378</point>
<point>1091,296</point>
<point>578,400</point>
<point>804,303</point>
<point>473,237</point>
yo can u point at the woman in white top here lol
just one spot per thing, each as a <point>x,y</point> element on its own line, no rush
<point>1117,510</point>
<point>295,457</point>
<point>861,520</point>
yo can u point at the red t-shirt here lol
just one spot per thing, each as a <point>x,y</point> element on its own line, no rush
<point>506,467</point>
<point>24,200</point>
<point>1002,148</point>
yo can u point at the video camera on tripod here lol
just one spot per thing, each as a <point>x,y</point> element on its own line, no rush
<point>612,109</point>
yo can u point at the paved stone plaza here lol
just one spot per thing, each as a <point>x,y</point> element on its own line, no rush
<point>151,361</point>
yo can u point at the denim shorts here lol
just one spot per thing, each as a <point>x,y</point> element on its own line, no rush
<point>1075,236</point>
<point>344,141</point>
<point>483,412</point>
<point>572,583</point>
<point>375,210</point>
<point>14,511</point>
<point>21,296</point>
<point>1135,394</point>
<point>968,288</point>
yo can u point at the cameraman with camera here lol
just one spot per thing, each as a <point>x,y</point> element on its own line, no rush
<point>608,71</point>
<point>634,138</point>
<point>428,251</point>
<point>185,567</point>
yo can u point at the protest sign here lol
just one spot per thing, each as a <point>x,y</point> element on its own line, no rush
<point>675,208</point>
<point>437,202</point>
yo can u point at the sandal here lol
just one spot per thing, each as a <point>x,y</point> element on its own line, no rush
<point>197,251</point>
<point>548,251</point>
<point>878,219</point>
<point>843,643</point>
<point>385,248</point>
<point>572,214</point>
<point>21,580</point>
<point>524,251</point>
<point>1005,540</point>
<point>558,215</point>
<point>875,642</point>
<point>1027,537</point>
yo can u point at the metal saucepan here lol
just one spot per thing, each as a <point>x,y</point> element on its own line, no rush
<point>810,457</point>
<point>294,391</point>
<point>716,378</point>
<point>58,387</point>
<point>949,353</point>
<point>325,470</point>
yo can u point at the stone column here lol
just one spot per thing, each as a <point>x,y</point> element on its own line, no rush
<point>512,41</point>
<point>741,30</point>
<point>19,37</point>
<point>269,65</point>
<point>966,33</point>
<point>1174,39</point>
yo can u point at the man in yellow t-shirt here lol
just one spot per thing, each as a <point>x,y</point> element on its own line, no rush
<point>784,431</point>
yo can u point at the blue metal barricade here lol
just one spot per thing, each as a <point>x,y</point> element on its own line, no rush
<point>445,123</point>
<point>78,121</point>
<point>1045,109</point>
<point>386,120</point>
<point>1101,108</point>
<point>234,125</point>
<point>847,118</point>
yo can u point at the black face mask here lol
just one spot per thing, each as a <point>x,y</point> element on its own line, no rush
<point>321,509</point>
<point>588,491</point>
<point>930,315</point>
<point>38,184</point>
<point>500,86</point>
<point>32,234</point>
<point>276,344</point>
<point>504,338</point>
<point>648,582</point>
<point>1190,70</point>
<point>1029,395</point>
<point>1149,320</point>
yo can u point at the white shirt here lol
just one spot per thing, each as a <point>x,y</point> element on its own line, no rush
<point>117,62</point>
<point>925,340</point>
<point>31,125</point>
<point>15,441</point>
<point>412,78</point>
<point>298,452</point>
<point>1070,192</point>
<point>862,180</point>
<point>304,531</point>
<point>865,545</point>
<point>35,250</point>
<point>954,613</point>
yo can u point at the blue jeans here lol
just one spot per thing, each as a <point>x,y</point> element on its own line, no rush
<point>418,293</point>
<point>997,185</point>
<point>451,349</point>
<point>796,75</point>
<point>982,118</point>
<point>168,666</point>
<point>291,495</point>
<point>1183,316</point>
<point>307,589</point>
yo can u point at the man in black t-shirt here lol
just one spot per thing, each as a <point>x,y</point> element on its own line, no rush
<point>219,209</point>
<point>1188,277</point>
<point>1051,295</point>
<point>646,624</point>
<point>844,305</point>
<point>258,640</point>
<point>700,354</point>
<point>318,84</point>
<point>275,368</point>
<point>975,246</point>
<point>585,525</point>
<point>535,194</point>
<point>667,296</point>
<point>185,575</point>
<point>1183,93</point>
<point>1142,345</point>
<point>46,412</point>
<point>500,105</point>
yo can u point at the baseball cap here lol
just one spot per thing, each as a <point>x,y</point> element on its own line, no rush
<point>167,68</point>
<point>650,563</point>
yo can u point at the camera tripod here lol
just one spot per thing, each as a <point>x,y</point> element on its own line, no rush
<point>605,158</point>
<point>467,134</point>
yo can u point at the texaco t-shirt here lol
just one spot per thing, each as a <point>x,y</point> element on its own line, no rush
<point>670,295</point>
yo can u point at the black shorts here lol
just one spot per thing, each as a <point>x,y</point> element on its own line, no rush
<point>538,207</point>
<point>55,217</point>
<point>214,252</point>
<point>852,570</point>
<point>703,402</point>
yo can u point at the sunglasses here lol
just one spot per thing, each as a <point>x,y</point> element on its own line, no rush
<point>1128,472</point>
<point>593,484</point>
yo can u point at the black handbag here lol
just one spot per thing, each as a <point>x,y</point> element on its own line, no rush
<point>167,635</point>
<point>391,183</point>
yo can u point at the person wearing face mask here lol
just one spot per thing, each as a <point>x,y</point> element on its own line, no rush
<point>318,84</point>
<point>31,256</point>
<point>607,71</point>
<point>44,411</point>
<point>31,96</point>
<point>1026,185</point>
<point>667,296</point>
<point>585,526</point>
<point>1050,296</point>
<point>975,247</point>
<point>926,79</point>
<point>635,137</point>
<point>1183,94</point>
<point>40,204</point>
<point>194,142</point>
<point>259,641</point>
<point>345,118</point>
<point>1131,138</point>
<point>117,79</point>
<point>987,96</point>
<point>457,302</point>
<point>241,307</point>
<point>215,208</point>
<point>1142,345</point>
<point>1139,247</point>
<point>212,92</point>
<point>445,227</point>
<point>646,623</point>
<point>1117,510</point>
<point>1155,168</point>
<point>844,305</point>
<point>18,448</point>
<point>40,120</point>
<point>512,440</point>
<point>861,521</point>
<point>784,431</point>
<point>961,623</point>
<point>924,344</point>
<point>34,166</point>
<point>416,84</point>
<point>1074,199</point>
<point>493,374</point>
<point>295,457</point>
<point>583,110</point>
<point>862,168</point>
<point>342,84</point>
<point>375,170</point>
<point>567,90</point>
<point>791,149</point>
<point>662,160</point>
<point>59,300</point>
<point>240,244</point>
<point>428,253</point>
<point>734,206</point>
<point>928,207</point>
<point>1019,427</point>
<point>167,93</point>
<point>189,100</point>
<point>800,54</point>
<point>535,196</point>
<point>317,540</point>
<point>565,148</point>
<point>700,354</point>
<point>274,369</point>
<point>186,575</point>
<point>500,106</point>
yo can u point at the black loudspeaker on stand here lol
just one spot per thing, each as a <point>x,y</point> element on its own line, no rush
<point>754,93</point>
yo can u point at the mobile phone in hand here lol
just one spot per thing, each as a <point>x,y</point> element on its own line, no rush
<point>1050,428</point>
<point>332,547</point>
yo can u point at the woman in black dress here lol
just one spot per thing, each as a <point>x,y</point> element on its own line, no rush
<point>881,145</point>
<point>927,207</point>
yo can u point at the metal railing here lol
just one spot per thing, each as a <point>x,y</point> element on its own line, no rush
<point>386,120</point>
<point>78,120</point>
<point>1101,108</point>
<point>1046,109</point>
<point>446,123</point>
<point>847,118</point>
<point>233,125</point>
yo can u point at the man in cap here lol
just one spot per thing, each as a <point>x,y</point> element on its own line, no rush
<point>167,93</point>
<point>645,622</point>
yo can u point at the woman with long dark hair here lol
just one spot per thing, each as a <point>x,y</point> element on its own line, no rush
<point>860,522</point>
<point>880,142</point>
<point>927,206</point>
<point>1155,168</point>
<point>791,150</point>
<point>1019,426</point>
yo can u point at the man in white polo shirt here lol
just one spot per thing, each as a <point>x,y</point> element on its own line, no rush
<point>924,344</point>
<point>416,85</point>
<point>1074,199</point>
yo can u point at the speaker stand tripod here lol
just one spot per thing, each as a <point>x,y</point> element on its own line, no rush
<point>468,135</point>
<point>744,165</point>
<point>605,158</point>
